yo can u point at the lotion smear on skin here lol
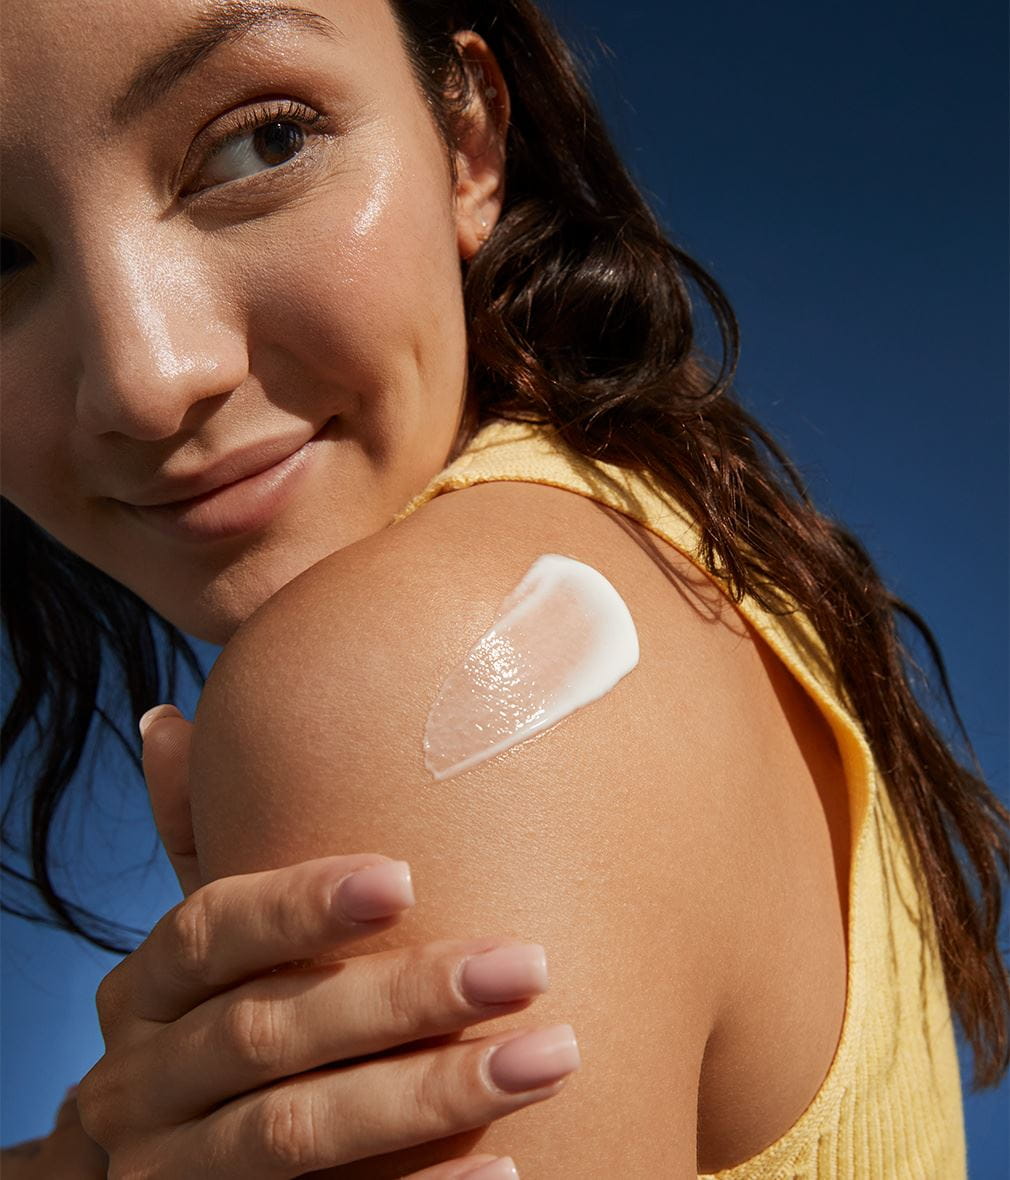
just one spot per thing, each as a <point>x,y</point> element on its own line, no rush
<point>560,640</point>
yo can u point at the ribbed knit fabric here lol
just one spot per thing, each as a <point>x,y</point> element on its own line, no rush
<point>890,1107</point>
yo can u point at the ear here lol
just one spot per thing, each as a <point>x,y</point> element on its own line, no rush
<point>480,146</point>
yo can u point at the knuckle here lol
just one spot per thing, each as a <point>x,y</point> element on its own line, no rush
<point>437,1101</point>
<point>104,993</point>
<point>250,1032</point>
<point>288,913</point>
<point>406,998</point>
<point>109,997</point>
<point>100,1102</point>
<point>90,1106</point>
<point>190,932</point>
<point>284,1132</point>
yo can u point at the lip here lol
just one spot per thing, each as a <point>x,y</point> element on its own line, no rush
<point>239,465</point>
<point>234,508</point>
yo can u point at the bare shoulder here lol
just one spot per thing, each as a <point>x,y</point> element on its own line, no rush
<point>613,837</point>
<point>658,772</point>
<point>403,607</point>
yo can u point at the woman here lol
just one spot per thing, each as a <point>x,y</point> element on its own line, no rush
<point>280,185</point>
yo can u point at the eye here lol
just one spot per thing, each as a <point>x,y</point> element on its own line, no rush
<point>264,139</point>
<point>13,256</point>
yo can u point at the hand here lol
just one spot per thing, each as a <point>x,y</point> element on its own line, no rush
<point>213,1025</point>
<point>205,1069</point>
<point>66,1152</point>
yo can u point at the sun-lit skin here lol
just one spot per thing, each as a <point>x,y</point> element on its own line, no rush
<point>177,305</point>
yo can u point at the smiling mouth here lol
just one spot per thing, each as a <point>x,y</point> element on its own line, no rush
<point>242,506</point>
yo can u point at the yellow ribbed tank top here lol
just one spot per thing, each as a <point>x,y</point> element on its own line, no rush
<point>890,1107</point>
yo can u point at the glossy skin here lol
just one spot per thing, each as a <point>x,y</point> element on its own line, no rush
<point>155,332</point>
<point>179,287</point>
<point>184,287</point>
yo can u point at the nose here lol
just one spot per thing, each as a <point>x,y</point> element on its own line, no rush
<point>153,338</point>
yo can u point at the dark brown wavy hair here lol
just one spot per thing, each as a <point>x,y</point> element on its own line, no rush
<point>579,312</point>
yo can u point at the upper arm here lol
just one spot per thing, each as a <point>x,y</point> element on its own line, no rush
<point>603,838</point>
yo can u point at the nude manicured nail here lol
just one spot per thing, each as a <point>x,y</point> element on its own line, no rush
<point>376,892</point>
<point>502,1169</point>
<point>535,1059</point>
<point>154,714</point>
<point>505,973</point>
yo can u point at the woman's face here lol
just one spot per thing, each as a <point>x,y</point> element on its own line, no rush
<point>250,238</point>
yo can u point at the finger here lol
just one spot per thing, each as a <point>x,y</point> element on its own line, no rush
<point>166,742</point>
<point>20,1160</point>
<point>71,1154</point>
<point>471,1167</point>
<point>332,1118</point>
<point>234,928</point>
<point>281,1025</point>
<point>68,1151</point>
<point>67,1114</point>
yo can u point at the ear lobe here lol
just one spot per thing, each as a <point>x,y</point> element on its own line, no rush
<point>480,145</point>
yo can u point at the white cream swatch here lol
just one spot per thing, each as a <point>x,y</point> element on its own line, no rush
<point>560,640</point>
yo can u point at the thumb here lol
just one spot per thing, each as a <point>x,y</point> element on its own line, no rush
<point>166,736</point>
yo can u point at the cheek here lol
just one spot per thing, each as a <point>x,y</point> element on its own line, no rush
<point>360,283</point>
<point>35,462</point>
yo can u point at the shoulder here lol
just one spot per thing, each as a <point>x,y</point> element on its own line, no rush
<point>355,650</point>
<point>432,584</point>
<point>610,838</point>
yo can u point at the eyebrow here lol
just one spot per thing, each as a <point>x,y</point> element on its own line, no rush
<point>218,24</point>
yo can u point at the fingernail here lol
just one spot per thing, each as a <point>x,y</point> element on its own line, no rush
<point>376,892</point>
<point>154,714</point>
<point>500,1169</point>
<point>535,1059</point>
<point>505,973</point>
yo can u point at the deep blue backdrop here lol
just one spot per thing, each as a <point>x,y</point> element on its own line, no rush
<point>841,169</point>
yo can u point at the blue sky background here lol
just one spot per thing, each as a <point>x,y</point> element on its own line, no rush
<point>842,171</point>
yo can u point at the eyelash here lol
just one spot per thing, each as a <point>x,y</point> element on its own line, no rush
<point>251,119</point>
<point>248,119</point>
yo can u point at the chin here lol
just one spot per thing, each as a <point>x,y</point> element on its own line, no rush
<point>216,627</point>
<point>212,601</point>
<point>215,610</point>
<point>217,633</point>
